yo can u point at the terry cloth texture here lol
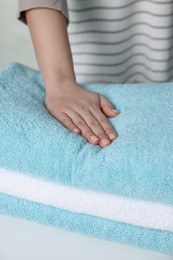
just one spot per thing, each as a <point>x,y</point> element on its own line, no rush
<point>136,167</point>
<point>132,211</point>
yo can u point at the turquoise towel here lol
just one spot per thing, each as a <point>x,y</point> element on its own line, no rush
<point>138,164</point>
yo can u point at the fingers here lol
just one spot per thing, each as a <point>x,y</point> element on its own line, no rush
<point>98,129</point>
<point>92,124</point>
<point>94,127</point>
<point>109,131</point>
<point>68,123</point>
<point>81,123</point>
<point>107,107</point>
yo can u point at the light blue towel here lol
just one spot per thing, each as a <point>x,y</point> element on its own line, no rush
<point>138,164</point>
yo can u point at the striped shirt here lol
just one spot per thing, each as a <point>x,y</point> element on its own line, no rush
<point>122,41</point>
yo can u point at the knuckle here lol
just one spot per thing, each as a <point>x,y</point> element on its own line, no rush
<point>64,120</point>
<point>103,120</point>
<point>82,106</point>
<point>109,129</point>
<point>94,107</point>
<point>93,123</point>
<point>102,135</point>
<point>80,123</point>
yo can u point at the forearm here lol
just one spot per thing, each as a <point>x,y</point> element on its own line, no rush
<point>48,31</point>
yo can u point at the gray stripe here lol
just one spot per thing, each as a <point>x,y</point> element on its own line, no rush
<point>155,36</point>
<point>117,7</point>
<point>145,77</point>
<point>120,42</point>
<point>114,82</point>
<point>155,2</point>
<point>119,53</point>
<point>121,63</point>
<point>120,19</point>
<point>116,43</point>
<point>113,74</point>
<point>96,82</point>
<point>122,30</point>
<point>134,74</point>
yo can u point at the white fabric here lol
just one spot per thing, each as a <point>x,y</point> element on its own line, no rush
<point>138,212</point>
<point>121,41</point>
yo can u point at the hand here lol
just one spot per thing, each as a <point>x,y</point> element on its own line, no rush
<point>82,111</point>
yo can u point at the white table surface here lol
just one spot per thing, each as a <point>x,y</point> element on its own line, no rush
<point>25,240</point>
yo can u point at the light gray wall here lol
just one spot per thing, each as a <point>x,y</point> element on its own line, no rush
<point>15,40</point>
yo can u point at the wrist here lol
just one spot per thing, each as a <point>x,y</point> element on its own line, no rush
<point>60,86</point>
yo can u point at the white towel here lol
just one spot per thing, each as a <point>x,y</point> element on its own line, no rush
<point>132,211</point>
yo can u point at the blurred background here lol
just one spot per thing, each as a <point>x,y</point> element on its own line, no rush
<point>15,41</point>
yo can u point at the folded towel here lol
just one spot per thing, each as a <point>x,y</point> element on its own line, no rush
<point>137,212</point>
<point>134,172</point>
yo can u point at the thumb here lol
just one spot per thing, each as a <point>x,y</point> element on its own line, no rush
<point>107,107</point>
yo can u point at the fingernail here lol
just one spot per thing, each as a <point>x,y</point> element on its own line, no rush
<point>112,136</point>
<point>115,110</point>
<point>76,130</point>
<point>105,141</point>
<point>94,138</point>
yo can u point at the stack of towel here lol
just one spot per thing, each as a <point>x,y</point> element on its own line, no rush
<point>123,192</point>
